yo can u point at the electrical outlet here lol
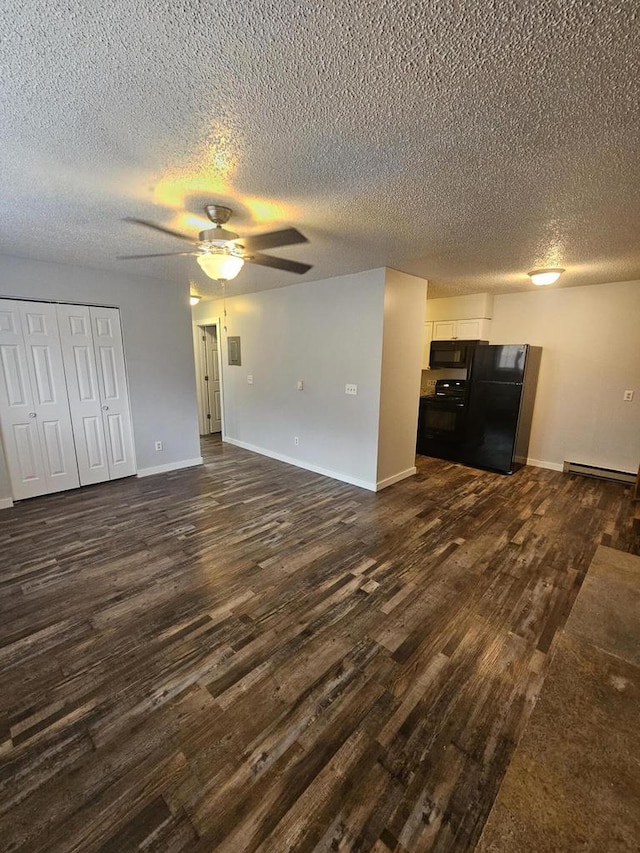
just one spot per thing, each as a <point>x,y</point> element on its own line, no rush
<point>431,383</point>
<point>628,396</point>
<point>159,445</point>
<point>296,440</point>
<point>351,389</point>
<point>249,379</point>
<point>299,385</point>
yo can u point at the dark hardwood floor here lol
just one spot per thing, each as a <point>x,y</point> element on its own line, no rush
<point>247,656</point>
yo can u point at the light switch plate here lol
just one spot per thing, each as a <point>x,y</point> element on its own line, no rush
<point>249,379</point>
<point>351,389</point>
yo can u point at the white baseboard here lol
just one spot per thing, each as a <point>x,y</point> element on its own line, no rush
<point>538,463</point>
<point>395,478</point>
<point>6,503</point>
<point>300,463</point>
<point>169,466</point>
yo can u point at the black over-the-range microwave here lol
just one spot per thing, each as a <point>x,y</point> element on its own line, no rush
<point>453,353</point>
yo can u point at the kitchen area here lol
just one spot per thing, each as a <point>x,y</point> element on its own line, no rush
<point>477,398</point>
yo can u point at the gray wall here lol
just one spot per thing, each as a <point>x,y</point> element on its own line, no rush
<point>325,333</point>
<point>590,356</point>
<point>156,326</point>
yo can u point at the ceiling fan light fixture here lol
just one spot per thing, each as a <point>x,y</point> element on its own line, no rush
<point>545,276</point>
<point>220,265</point>
<point>217,251</point>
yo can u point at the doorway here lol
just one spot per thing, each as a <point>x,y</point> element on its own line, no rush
<point>209,377</point>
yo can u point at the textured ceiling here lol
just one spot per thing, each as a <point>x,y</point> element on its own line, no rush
<point>466,141</point>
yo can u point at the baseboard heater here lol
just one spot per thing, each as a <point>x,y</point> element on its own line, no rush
<point>598,473</point>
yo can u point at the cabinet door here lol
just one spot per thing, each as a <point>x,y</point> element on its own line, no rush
<point>444,330</point>
<point>461,330</point>
<point>428,337</point>
<point>18,418</point>
<point>468,330</point>
<point>112,384</point>
<point>84,397</point>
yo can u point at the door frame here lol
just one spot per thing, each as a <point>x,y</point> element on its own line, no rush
<point>198,331</point>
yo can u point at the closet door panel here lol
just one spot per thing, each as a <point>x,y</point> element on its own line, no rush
<point>112,383</point>
<point>93,435</point>
<point>54,444</point>
<point>18,420</point>
<point>117,439</point>
<point>17,391</point>
<point>49,387</point>
<point>84,395</point>
<point>45,390</point>
<point>25,462</point>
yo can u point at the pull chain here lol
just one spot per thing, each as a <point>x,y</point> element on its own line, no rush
<point>224,305</point>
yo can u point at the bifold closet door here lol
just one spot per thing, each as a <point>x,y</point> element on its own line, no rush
<point>97,386</point>
<point>76,338</point>
<point>112,386</point>
<point>34,407</point>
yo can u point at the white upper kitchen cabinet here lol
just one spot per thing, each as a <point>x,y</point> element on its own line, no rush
<point>462,330</point>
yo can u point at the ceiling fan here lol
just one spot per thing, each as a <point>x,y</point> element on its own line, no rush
<point>221,254</point>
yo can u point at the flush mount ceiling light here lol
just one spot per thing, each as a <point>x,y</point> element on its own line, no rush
<point>193,299</point>
<point>546,276</point>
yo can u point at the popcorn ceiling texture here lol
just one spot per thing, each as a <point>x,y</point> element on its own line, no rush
<point>466,141</point>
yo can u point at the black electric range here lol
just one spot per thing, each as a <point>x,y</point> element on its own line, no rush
<point>442,419</point>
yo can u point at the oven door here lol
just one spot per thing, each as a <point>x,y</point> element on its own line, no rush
<point>441,420</point>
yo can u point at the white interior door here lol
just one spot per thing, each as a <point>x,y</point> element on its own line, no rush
<point>112,384</point>
<point>78,354</point>
<point>17,410</point>
<point>34,408</point>
<point>49,388</point>
<point>213,373</point>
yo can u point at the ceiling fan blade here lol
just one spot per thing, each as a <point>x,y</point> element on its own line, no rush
<point>160,228</point>
<point>155,255</point>
<point>278,263</point>
<point>273,240</point>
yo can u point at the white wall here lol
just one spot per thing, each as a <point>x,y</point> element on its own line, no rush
<point>404,300</point>
<point>156,329</point>
<point>591,353</point>
<point>325,333</point>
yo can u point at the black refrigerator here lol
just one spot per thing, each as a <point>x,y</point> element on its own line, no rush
<point>502,390</point>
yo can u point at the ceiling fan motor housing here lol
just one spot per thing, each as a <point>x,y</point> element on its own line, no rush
<point>217,213</point>
<point>216,235</point>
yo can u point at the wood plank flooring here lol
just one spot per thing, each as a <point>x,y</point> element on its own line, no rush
<point>246,656</point>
